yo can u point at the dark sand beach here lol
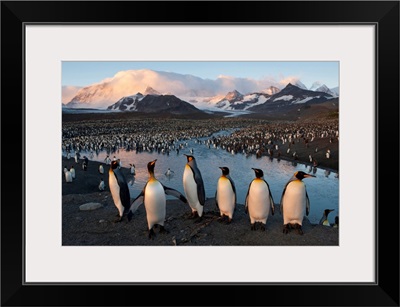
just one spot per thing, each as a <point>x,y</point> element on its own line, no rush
<point>97,227</point>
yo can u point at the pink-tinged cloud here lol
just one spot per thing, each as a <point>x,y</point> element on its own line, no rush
<point>68,92</point>
<point>130,82</point>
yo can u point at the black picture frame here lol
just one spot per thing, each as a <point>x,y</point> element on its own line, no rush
<point>383,14</point>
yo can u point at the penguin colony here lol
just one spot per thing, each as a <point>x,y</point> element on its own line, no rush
<point>259,203</point>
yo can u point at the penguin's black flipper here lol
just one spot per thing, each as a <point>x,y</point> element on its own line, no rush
<point>123,189</point>
<point>201,194</point>
<point>246,204</point>
<point>175,193</point>
<point>135,204</point>
<point>307,204</point>
<point>283,193</point>
<point>233,186</point>
<point>216,200</point>
<point>271,199</point>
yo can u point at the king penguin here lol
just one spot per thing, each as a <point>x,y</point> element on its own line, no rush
<point>72,170</point>
<point>295,203</point>
<point>68,175</point>
<point>259,202</point>
<point>119,190</point>
<point>193,186</point>
<point>225,195</point>
<point>153,197</point>
<point>101,169</point>
<point>324,219</point>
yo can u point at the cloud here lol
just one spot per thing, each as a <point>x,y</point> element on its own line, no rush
<point>68,92</point>
<point>130,82</point>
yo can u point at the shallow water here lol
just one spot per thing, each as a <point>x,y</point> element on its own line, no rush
<point>323,191</point>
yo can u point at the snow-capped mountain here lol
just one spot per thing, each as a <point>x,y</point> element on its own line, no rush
<point>292,95</point>
<point>126,103</point>
<point>315,85</point>
<point>237,101</point>
<point>126,83</point>
<point>224,93</point>
<point>300,85</point>
<point>335,91</point>
<point>271,90</point>
<point>154,104</point>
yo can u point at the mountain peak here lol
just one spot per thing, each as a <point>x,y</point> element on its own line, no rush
<point>233,96</point>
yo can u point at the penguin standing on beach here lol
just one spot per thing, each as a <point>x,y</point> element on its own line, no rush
<point>68,175</point>
<point>119,190</point>
<point>193,186</point>
<point>101,169</point>
<point>225,195</point>
<point>259,202</point>
<point>133,170</point>
<point>295,203</point>
<point>153,197</point>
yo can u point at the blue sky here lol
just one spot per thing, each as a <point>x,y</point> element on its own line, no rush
<point>86,73</point>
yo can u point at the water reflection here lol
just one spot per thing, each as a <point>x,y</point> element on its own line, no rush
<point>323,190</point>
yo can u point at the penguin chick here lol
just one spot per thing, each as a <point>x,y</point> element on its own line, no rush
<point>225,195</point>
<point>324,219</point>
<point>295,203</point>
<point>259,202</point>
<point>119,190</point>
<point>153,197</point>
<point>193,186</point>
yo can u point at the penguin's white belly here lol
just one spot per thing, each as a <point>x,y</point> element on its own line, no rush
<point>190,188</point>
<point>259,202</point>
<point>154,202</point>
<point>225,197</point>
<point>294,203</point>
<point>114,189</point>
<point>72,173</point>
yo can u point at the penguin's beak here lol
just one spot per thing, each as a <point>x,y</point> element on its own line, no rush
<point>309,175</point>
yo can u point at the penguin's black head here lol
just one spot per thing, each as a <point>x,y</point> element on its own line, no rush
<point>301,175</point>
<point>327,211</point>
<point>189,157</point>
<point>225,170</point>
<point>114,164</point>
<point>151,165</point>
<point>336,220</point>
<point>259,173</point>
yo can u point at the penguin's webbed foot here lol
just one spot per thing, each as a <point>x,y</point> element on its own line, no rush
<point>253,226</point>
<point>299,229</point>
<point>199,219</point>
<point>262,227</point>
<point>193,215</point>
<point>118,219</point>
<point>286,229</point>
<point>151,234</point>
